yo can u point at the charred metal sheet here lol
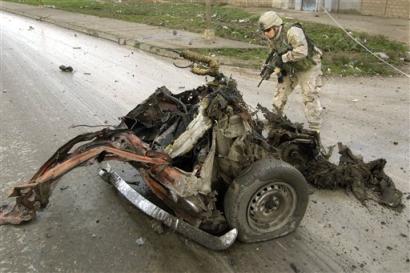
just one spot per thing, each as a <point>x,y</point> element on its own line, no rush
<point>301,148</point>
<point>195,234</point>
<point>367,180</point>
<point>107,144</point>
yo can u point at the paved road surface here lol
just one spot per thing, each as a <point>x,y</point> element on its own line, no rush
<point>88,228</point>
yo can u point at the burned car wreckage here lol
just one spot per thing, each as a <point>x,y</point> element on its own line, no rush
<point>221,170</point>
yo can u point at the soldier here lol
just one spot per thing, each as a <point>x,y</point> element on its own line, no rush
<point>300,61</point>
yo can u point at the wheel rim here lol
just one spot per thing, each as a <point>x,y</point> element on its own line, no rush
<point>271,207</point>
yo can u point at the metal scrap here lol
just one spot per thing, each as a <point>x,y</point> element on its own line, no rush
<point>65,68</point>
<point>367,180</point>
<point>205,239</point>
<point>189,147</point>
<point>301,148</point>
<point>119,144</point>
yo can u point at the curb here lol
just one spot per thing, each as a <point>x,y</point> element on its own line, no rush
<point>88,31</point>
<point>134,44</point>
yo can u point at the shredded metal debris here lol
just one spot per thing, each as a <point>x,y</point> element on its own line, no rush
<point>189,147</point>
<point>367,180</point>
<point>65,68</point>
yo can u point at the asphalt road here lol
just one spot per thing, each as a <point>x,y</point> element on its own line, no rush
<point>87,227</point>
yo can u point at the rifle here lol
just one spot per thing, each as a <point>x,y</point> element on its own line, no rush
<point>272,60</point>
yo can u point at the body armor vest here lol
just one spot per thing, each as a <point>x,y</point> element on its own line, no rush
<point>281,44</point>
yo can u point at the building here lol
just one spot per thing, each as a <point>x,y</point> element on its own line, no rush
<point>386,8</point>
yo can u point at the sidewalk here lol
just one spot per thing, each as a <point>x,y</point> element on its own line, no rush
<point>145,37</point>
<point>397,29</point>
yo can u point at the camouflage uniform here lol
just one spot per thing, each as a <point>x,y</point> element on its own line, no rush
<point>303,65</point>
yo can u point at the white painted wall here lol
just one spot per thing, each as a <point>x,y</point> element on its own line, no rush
<point>283,4</point>
<point>331,5</point>
<point>298,4</point>
<point>341,5</point>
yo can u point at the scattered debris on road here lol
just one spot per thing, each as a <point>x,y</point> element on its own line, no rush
<point>122,41</point>
<point>140,241</point>
<point>64,188</point>
<point>66,68</point>
<point>202,153</point>
<point>294,268</point>
<point>367,181</point>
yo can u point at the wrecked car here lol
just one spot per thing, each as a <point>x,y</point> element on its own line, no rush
<point>220,170</point>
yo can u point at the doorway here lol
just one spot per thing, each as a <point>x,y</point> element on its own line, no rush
<point>308,5</point>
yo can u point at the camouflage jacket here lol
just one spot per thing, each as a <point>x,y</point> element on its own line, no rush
<point>301,51</point>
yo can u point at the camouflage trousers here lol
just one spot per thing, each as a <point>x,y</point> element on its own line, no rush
<point>310,81</point>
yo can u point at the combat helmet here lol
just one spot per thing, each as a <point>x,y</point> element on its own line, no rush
<point>269,19</point>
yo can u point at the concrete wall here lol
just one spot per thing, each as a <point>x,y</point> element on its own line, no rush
<point>349,5</point>
<point>256,3</point>
<point>277,3</point>
<point>330,5</point>
<point>249,3</point>
<point>333,5</point>
<point>388,8</point>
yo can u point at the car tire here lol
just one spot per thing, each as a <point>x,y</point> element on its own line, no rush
<point>266,201</point>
